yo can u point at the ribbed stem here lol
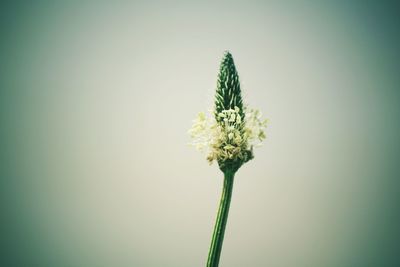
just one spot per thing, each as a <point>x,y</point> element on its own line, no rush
<point>220,224</point>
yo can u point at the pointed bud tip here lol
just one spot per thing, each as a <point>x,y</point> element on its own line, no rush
<point>227,55</point>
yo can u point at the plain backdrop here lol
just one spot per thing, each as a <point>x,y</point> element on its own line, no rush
<point>96,100</point>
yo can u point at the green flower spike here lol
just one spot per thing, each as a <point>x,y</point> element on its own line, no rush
<point>228,135</point>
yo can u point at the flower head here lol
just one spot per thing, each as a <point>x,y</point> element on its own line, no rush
<point>230,133</point>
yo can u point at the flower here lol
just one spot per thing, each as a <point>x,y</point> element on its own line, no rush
<point>229,134</point>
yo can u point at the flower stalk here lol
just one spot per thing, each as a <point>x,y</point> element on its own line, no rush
<point>220,223</point>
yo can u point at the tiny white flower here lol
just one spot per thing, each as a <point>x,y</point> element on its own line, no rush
<point>238,119</point>
<point>238,139</point>
<point>232,118</point>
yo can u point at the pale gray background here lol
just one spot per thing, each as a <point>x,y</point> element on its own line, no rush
<point>97,100</point>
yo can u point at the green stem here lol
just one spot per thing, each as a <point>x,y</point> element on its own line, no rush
<point>220,224</point>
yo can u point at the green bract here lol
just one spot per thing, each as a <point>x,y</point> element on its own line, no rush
<point>228,95</point>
